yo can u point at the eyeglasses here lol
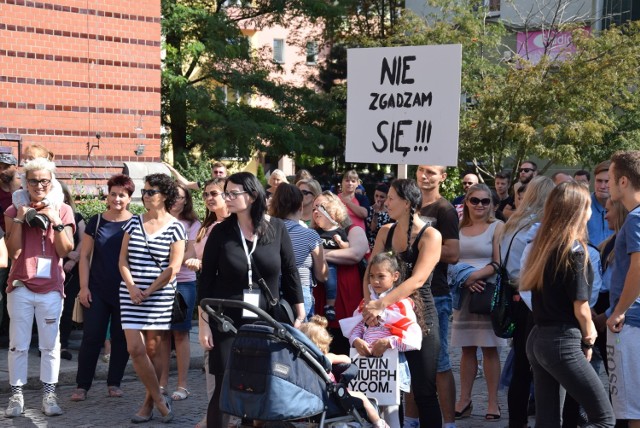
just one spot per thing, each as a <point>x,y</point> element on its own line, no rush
<point>232,196</point>
<point>34,183</point>
<point>526,170</point>
<point>214,194</point>
<point>484,201</point>
<point>306,192</point>
<point>149,192</point>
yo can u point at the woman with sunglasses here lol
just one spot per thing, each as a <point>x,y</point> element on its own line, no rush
<point>479,247</point>
<point>99,290</point>
<point>183,210</point>
<point>216,212</point>
<point>245,247</point>
<point>150,257</point>
<point>310,189</point>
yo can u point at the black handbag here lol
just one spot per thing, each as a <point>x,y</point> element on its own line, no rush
<point>179,307</point>
<point>480,303</point>
<point>502,307</point>
<point>279,309</point>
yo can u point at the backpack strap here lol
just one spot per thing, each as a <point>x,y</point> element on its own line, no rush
<point>506,257</point>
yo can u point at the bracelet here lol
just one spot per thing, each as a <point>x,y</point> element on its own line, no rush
<point>300,319</point>
<point>495,266</point>
<point>17,220</point>
<point>586,345</point>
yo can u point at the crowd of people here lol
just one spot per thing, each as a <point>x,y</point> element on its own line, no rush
<point>339,260</point>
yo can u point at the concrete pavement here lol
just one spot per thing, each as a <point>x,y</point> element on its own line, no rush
<point>100,411</point>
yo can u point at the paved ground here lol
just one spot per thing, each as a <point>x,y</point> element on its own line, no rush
<point>100,411</point>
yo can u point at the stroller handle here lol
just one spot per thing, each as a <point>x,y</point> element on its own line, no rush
<point>225,324</point>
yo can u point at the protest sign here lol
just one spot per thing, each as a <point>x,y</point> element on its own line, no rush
<point>403,104</point>
<point>377,377</point>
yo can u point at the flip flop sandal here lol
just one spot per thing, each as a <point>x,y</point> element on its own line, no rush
<point>180,394</point>
<point>79,395</point>
<point>115,391</point>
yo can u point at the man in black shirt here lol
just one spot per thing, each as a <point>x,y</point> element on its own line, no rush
<point>437,211</point>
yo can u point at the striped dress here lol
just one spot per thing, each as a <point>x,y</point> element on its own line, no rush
<point>154,313</point>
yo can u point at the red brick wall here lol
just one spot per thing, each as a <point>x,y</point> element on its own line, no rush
<point>70,69</point>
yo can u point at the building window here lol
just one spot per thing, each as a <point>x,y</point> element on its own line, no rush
<point>278,51</point>
<point>312,53</point>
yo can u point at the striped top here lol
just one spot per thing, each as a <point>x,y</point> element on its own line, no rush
<point>154,313</point>
<point>304,241</point>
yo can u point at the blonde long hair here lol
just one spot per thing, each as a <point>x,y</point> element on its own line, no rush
<point>564,224</point>
<point>530,210</point>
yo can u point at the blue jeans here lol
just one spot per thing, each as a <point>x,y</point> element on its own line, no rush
<point>309,301</point>
<point>331,285</point>
<point>444,308</point>
<point>557,361</point>
<point>188,291</point>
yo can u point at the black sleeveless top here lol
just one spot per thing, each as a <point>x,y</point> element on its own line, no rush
<point>410,258</point>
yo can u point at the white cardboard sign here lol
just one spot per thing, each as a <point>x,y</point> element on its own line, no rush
<point>377,377</point>
<point>403,105</point>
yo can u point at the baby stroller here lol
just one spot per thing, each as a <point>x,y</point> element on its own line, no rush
<point>275,373</point>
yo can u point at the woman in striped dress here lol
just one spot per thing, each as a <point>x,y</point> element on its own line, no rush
<point>151,255</point>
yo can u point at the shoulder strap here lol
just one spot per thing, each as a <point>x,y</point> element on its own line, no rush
<point>506,257</point>
<point>95,235</point>
<point>388,244</point>
<point>144,234</point>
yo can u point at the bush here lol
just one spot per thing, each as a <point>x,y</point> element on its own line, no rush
<point>90,207</point>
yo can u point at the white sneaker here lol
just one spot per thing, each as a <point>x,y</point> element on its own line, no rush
<point>15,407</point>
<point>50,405</point>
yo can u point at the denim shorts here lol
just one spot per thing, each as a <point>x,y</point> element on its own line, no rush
<point>444,307</point>
<point>188,291</point>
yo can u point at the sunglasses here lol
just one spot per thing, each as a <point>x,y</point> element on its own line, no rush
<point>484,201</point>
<point>149,192</point>
<point>526,170</point>
<point>306,192</point>
<point>470,183</point>
<point>213,194</point>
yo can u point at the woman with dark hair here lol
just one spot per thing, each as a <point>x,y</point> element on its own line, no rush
<point>216,212</point>
<point>150,257</point>
<point>99,289</point>
<point>240,250</point>
<point>559,275</point>
<point>186,278</point>
<point>286,204</point>
<point>72,281</point>
<point>377,215</point>
<point>418,245</point>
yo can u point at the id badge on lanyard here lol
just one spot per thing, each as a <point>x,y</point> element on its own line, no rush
<point>43,263</point>
<point>251,296</point>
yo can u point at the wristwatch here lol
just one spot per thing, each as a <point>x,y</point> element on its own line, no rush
<point>58,228</point>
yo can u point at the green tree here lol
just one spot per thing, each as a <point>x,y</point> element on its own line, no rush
<point>574,112</point>
<point>211,72</point>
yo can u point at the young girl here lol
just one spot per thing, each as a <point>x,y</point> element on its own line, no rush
<point>316,330</point>
<point>398,327</point>
<point>55,197</point>
<point>327,219</point>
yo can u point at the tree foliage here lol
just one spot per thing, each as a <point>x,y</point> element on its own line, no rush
<point>211,74</point>
<point>571,112</point>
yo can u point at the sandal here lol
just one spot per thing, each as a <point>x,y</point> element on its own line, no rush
<point>329,312</point>
<point>79,395</point>
<point>180,394</point>
<point>202,423</point>
<point>115,391</point>
<point>163,391</point>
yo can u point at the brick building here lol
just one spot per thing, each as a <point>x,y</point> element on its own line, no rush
<point>82,78</point>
